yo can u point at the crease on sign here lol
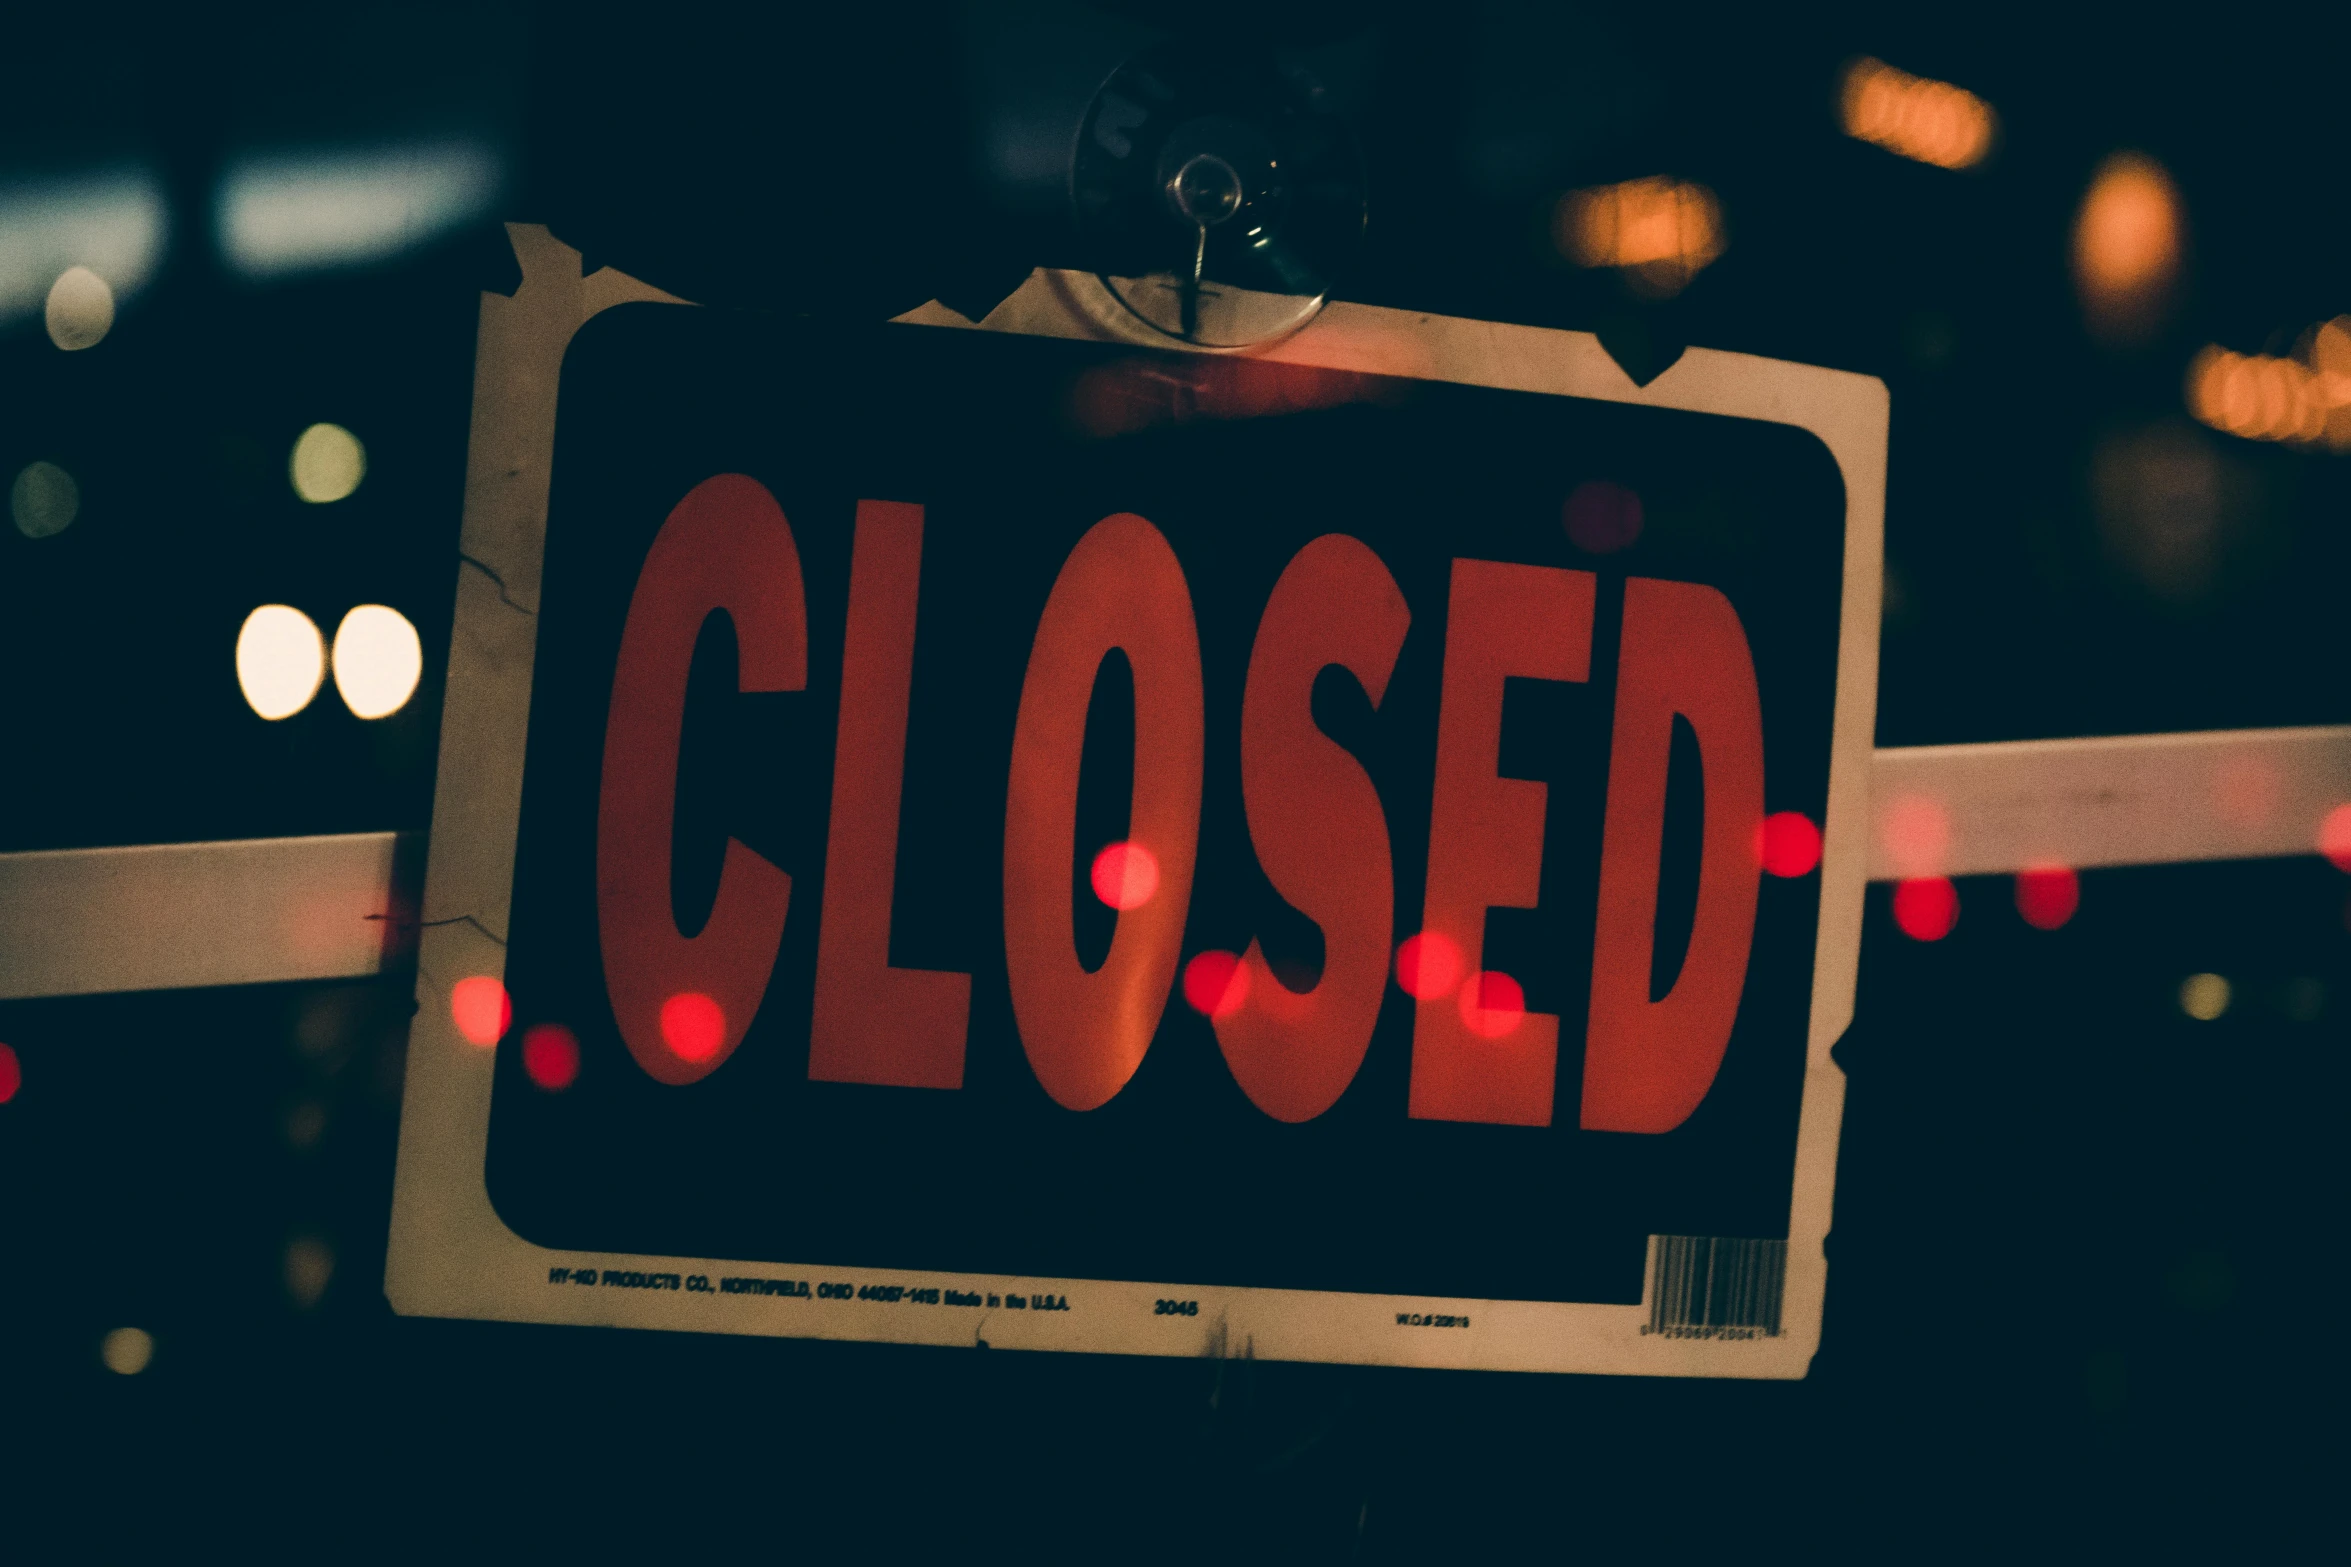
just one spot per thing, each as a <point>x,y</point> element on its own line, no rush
<point>454,919</point>
<point>504,597</point>
<point>446,1236</point>
<point>511,445</point>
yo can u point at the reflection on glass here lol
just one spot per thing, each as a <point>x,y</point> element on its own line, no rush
<point>481,1009</point>
<point>1660,232</point>
<point>2303,399</point>
<point>693,1025</point>
<point>327,464</point>
<point>1428,965</point>
<point>127,1351</point>
<point>1216,984</point>
<point>550,1056</point>
<point>80,309</point>
<point>2126,247</point>
<point>280,660</point>
<point>1913,117</point>
<point>44,500</point>
<point>1125,875</point>
<point>1926,908</point>
<point>2047,896</point>
<point>377,660</point>
<point>310,1266</point>
<point>287,213</point>
<point>2205,997</point>
<point>1492,1005</point>
<point>109,226</point>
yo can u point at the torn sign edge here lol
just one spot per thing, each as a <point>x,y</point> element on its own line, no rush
<point>450,1253</point>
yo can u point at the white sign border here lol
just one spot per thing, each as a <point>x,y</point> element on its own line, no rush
<point>450,1253</point>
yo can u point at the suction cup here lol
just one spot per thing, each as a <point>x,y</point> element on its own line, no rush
<point>1216,198</point>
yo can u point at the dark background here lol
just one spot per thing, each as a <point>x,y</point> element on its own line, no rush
<point>2083,1270</point>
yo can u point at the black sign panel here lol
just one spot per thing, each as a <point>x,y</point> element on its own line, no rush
<point>1314,846</point>
<point>1013,449</point>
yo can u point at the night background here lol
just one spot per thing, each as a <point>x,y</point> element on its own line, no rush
<point>2084,1219</point>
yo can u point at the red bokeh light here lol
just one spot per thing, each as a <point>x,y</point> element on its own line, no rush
<point>1215,984</point>
<point>1917,834</point>
<point>1137,394</point>
<point>693,1025</point>
<point>1428,965</point>
<point>2334,837</point>
<point>1126,875</point>
<point>1926,907</point>
<point>1492,1005</point>
<point>2047,895</point>
<point>481,1009</point>
<point>551,1055</point>
<point>1791,844</point>
<point>2245,791</point>
<point>11,1074</point>
<point>1602,518</point>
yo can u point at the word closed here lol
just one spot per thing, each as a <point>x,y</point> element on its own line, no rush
<point>1315,822</point>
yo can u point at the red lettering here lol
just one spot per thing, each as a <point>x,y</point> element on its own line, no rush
<point>1647,1064</point>
<point>1316,824</point>
<point>726,546</point>
<point>1486,833</point>
<point>1121,587</point>
<point>873,1023</point>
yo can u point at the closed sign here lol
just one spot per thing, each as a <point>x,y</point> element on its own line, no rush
<point>1053,843</point>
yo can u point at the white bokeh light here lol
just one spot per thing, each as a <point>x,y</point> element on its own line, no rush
<point>109,226</point>
<point>377,660</point>
<point>280,660</point>
<point>127,1351</point>
<point>327,464</point>
<point>44,500</point>
<point>280,214</point>
<point>80,309</point>
<point>2205,997</point>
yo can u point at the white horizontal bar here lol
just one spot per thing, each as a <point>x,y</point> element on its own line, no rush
<point>2238,794</point>
<point>251,911</point>
<point>177,915</point>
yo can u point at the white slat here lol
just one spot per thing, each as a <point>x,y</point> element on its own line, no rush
<point>250,911</point>
<point>2242,794</point>
<point>177,915</point>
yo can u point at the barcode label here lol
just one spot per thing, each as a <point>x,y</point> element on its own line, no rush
<point>1703,1286</point>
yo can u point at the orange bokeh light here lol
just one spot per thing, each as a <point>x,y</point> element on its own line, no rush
<point>2126,246</point>
<point>1914,117</point>
<point>1492,1005</point>
<point>1215,984</point>
<point>2047,895</point>
<point>2303,400</point>
<point>551,1056</point>
<point>1660,231</point>
<point>481,1009</point>
<point>1926,907</point>
<point>1790,844</point>
<point>693,1025</point>
<point>1126,875</point>
<point>1428,965</point>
